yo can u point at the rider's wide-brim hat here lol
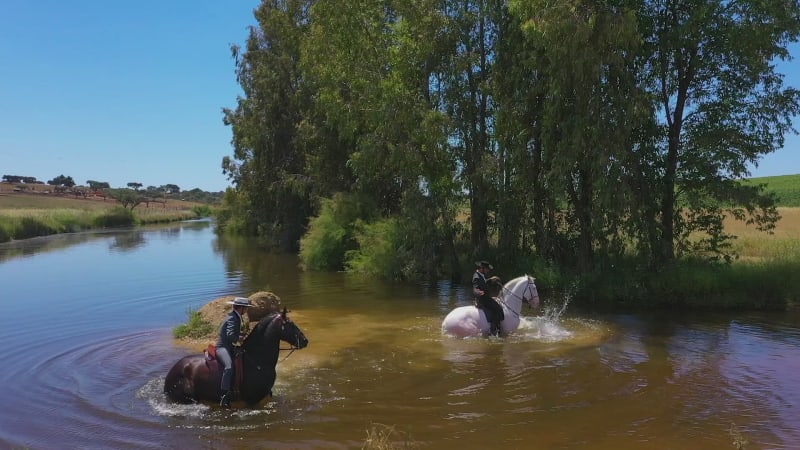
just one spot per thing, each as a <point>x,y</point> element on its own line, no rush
<point>240,301</point>
<point>484,264</point>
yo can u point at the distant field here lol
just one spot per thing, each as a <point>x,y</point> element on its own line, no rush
<point>39,200</point>
<point>786,187</point>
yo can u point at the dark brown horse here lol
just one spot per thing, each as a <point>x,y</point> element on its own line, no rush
<point>194,379</point>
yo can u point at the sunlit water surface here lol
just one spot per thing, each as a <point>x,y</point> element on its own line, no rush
<point>87,318</point>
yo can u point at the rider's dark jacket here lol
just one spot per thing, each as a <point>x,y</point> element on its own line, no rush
<point>493,310</point>
<point>229,331</point>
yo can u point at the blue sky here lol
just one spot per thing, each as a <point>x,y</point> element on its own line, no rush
<point>123,91</point>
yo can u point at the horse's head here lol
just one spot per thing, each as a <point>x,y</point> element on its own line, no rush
<point>273,328</point>
<point>530,295</point>
<point>291,333</point>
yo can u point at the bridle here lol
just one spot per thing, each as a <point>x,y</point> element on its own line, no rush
<point>293,346</point>
<point>528,289</point>
<point>284,321</point>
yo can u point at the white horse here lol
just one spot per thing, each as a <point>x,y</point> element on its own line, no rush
<point>470,321</point>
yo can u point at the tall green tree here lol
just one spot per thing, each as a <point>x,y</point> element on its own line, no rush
<point>583,53</point>
<point>466,86</point>
<point>372,64</point>
<point>267,165</point>
<point>720,105</point>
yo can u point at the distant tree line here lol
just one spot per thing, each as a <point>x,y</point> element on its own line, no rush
<point>434,132</point>
<point>129,197</point>
<point>20,179</point>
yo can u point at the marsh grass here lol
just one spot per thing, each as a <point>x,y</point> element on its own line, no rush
<point>386,437</point>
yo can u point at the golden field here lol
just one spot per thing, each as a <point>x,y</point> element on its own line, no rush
<point>754,245</point>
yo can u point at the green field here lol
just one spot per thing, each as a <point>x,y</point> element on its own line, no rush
<point>785,187</point>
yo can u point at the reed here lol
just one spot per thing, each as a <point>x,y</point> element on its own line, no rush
<point>386,437</point>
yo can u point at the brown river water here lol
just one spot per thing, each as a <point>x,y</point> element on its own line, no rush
<point>86,320</point>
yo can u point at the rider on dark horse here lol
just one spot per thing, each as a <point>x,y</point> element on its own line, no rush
<point>230,335</point>
<point>492,309</point>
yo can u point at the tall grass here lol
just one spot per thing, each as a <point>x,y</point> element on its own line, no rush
<point>25,223</point>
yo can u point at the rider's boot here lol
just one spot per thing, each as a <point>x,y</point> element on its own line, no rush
<point>494,329</point>
<point>225,401</point>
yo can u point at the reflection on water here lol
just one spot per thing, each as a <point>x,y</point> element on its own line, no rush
<point>87,372</point>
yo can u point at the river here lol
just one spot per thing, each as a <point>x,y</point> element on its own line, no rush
<point>86,320</point>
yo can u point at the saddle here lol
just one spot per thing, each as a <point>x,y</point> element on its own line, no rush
<point>238,364</point>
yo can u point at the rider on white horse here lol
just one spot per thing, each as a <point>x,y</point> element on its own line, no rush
<point>492,309</point>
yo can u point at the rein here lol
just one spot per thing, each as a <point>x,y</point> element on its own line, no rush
<point>291,350</point>
<point>522,297</point>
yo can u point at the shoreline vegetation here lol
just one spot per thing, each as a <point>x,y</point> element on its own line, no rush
<point>25,215</point>
<point>763,277</point>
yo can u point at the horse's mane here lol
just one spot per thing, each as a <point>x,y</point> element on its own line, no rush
<point>261,326</point>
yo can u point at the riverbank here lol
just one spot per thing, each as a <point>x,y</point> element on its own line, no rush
<point>202,325</point>
<point>24,215</point>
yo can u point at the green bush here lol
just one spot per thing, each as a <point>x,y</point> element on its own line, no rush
<point>232,217</point>
<point>202,211</point>
<point>330,234</point>
<point>380,251</point>
<point>115,217</point>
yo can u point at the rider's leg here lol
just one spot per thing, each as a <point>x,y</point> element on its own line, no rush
<point>497,318</point>
<point>224,358</point>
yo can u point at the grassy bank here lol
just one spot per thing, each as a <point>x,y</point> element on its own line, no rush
<point>27,215</point>
<point>763,277</point>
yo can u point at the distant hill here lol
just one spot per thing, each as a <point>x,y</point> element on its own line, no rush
<point>785,187</point>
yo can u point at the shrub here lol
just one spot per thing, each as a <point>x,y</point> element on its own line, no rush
<point>380,252</point>
<point>330,234</point>
<point>115,217</point>
<point>201,211</point>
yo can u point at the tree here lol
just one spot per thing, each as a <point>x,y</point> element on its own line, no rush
<point>585,52</point>
<point>129,198</point>
<point>62,183</point>
<point>135,185</point>
<point>171,189</point>
<point>269,164</point>
<point>719,104</point>
<point>19,179</point>
<point>97,187</point>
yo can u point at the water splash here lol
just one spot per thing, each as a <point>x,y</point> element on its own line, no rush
<point>153,394</point>
<point>548,327</point>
